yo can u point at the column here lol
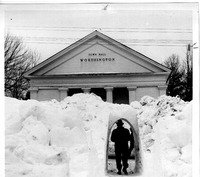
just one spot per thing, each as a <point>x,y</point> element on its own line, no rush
<point>33,93</point>
<point>132,93</point>
<point>162,90</point>
<point>86,90</point>
<point>109,94</point>
<point>63,93</point>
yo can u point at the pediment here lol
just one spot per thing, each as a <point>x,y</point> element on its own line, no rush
<point>96,53</point>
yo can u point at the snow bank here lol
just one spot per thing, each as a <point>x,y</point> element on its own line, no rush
<point>68,138</point>
<point>165,130</point>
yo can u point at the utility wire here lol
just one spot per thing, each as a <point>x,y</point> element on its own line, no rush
<point>136,44</point>
<point>122,30</point>
<point>130,42</point>
<point>58,40</point>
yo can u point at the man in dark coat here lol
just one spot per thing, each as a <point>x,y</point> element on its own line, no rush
<point>120,136</point>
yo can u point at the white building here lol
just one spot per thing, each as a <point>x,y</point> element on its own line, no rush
<point>101,65</point>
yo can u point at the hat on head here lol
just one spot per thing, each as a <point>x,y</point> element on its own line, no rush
<point>119,122</point>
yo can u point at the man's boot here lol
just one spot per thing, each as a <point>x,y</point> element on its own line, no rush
<point>125,172</point>
<point>119,173</point>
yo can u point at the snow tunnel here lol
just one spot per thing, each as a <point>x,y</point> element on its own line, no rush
<point>134,159</point>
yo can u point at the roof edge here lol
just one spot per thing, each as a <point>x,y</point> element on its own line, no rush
<point>85,39</point>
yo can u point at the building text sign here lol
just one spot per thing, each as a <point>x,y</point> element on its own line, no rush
<point>97,57</point>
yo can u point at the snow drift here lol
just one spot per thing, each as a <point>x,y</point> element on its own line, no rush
<point>68,138</point>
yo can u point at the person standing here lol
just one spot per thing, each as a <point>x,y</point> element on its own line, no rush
<point>120,136</point>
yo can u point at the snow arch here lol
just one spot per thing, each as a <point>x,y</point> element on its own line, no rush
<point>131,120</point>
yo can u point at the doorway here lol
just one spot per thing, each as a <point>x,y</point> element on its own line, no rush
<point>74,91</point>
<point>101,92</point>
<point>120,95</point>
<point>111,158</point>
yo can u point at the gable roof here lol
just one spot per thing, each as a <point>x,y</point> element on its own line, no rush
<point>83,40</point>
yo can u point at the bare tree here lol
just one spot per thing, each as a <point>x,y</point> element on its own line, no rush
<point>179,81</point>
<point>18,60</point>
<point>173,62</point>
<point>175,86</point>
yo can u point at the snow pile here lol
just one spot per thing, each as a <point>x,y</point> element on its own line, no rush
<point>165,128</point>
<point>151,111</point>
<point>68,138</point>
<point>60,139</point>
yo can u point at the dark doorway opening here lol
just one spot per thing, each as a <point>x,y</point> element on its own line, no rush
<point>74,91</point>
<point>101,92</point>
<point>120,95</point>
<point>111,157</point>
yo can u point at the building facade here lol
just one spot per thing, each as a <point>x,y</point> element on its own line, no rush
<point>98,64</point>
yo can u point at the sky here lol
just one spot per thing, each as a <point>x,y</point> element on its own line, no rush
<point>155,30</point>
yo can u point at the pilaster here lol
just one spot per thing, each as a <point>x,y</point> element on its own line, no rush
<point>132,93</point>
<point>109,94</point>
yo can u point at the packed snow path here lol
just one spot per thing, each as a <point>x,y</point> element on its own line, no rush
<point>69,138</point>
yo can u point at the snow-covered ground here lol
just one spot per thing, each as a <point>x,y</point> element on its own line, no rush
<point>68,138</point>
